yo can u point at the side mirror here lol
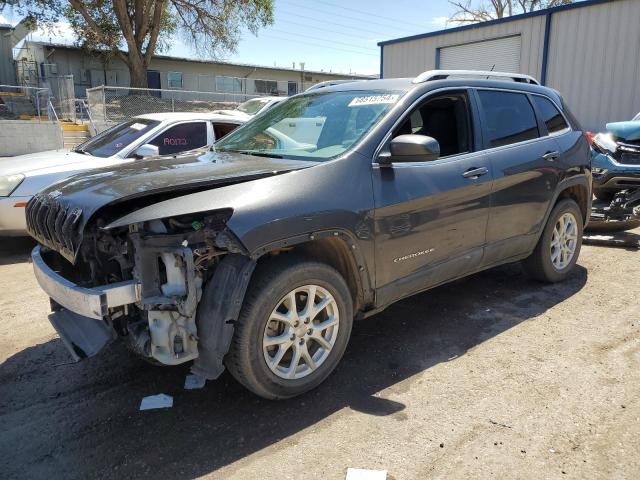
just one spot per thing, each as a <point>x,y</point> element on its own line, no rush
<point>412,148</point>
<point>147,150</point>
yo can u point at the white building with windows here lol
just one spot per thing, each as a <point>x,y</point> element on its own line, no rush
<point>42,60</point>
<point>587,50</point>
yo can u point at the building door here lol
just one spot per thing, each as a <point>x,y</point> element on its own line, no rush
<point>500,55</point>
<point>153,81</point>
<point>292,88</point>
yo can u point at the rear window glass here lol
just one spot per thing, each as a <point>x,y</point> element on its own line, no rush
<point>180,138</point>
<point>509,117</point>
<point>552,118</point>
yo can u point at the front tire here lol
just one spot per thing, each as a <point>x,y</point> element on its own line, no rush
<point>292,330</point>
<point>557,250</point>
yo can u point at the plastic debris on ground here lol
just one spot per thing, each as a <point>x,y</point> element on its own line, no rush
<point>156,401</point>
<point>194,382</point>
<point>362,474</point>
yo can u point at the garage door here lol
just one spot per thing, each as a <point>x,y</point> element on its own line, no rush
<point>501,55</point>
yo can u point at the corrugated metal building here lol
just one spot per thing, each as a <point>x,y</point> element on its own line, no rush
<point>589,51</point>
<point>9,37</point>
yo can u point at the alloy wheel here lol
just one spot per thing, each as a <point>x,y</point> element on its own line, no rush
<point>301,332</point>
<point>564,240</point>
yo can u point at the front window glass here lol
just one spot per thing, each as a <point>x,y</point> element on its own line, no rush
<point>444,118</point>
<point>180,138</point>
<point>509,117</point>
<point>111,141</point>
<point>251,107</point>
<point>316,126</point>
<point>637,117</point>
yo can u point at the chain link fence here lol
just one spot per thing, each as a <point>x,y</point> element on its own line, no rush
<point>110,105</point>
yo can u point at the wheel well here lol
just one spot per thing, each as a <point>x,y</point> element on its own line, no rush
<point>580,195</point>
<point>331,251</point>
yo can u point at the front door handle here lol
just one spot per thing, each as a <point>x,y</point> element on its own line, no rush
<point>551,156</point>
<point>475,172</point>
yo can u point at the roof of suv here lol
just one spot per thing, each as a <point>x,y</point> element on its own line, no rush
<point>179,116</point>
<point>409,84</point>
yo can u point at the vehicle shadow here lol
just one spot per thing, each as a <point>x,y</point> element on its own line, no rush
<point>82,420</point>
<point>629,240</point>
<point>15,249</point>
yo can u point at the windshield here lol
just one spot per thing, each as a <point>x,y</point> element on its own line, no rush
<point>316,126</point>
<point>251,107</point>
<point>111,141</point>
<point>637,117</point>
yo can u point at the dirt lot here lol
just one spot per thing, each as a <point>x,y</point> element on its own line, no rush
<point>493,376</point>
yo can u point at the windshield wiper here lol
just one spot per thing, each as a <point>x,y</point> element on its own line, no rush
<point>259,153</point>
<point>82,151</point>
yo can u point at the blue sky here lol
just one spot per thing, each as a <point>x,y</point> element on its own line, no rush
<point>335,35</point>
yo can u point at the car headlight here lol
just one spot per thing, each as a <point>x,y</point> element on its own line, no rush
<point>605,142</point>
<point>8,183</point>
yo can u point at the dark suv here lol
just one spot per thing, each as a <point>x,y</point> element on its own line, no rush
<point>258,254</point>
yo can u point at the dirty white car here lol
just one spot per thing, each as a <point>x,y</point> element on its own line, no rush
<point>147,135</point>
<point>249,109</point>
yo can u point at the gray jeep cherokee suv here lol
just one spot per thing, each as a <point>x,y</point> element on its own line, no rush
<point>258,254</point>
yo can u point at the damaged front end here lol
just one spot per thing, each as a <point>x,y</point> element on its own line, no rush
<point>143,283</point>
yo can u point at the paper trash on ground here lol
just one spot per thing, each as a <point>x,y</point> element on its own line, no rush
<point>362,474</point>
<point>194,382</point>
<point>156,401</point>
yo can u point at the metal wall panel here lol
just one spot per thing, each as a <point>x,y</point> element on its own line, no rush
<point>7,72</point>
<point>594,61</point>
<point>408,59</point>
<point>501,55</point>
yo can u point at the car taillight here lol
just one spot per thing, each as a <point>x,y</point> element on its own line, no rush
<point>589,138</point>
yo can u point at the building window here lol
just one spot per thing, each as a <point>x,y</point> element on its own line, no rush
<point>228,84</point>
<point>174,79</point>
<point>266,87</point>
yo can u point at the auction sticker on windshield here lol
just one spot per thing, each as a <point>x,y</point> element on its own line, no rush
<point>374,100</point>
<point>138,126</point>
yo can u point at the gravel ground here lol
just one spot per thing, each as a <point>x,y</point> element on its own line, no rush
<point>492,376</point>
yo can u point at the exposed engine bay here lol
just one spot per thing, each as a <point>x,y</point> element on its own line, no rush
<point>169,261</point>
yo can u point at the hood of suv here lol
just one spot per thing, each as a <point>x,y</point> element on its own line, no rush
<point>57,216</point>
<point>629,131</point>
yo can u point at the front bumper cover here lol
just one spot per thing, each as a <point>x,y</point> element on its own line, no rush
<point>80,319</point>
<point>89,302</point>
<point>616,176</point>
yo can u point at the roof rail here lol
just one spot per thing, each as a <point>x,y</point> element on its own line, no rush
<point>442,74</point>
<point>327,83</point>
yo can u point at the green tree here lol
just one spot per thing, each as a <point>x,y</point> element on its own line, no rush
<point>133,30</point>
<point>472,11</point>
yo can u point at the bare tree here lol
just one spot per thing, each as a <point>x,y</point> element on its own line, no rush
<point>134,30</point>
<point>472,11</point>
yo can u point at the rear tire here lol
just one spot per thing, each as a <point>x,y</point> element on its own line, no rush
<point>279,351</point>
<point>558,249</point>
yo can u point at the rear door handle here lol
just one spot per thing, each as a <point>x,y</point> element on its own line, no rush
<point>551,156</point>
<point>475,172</point>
